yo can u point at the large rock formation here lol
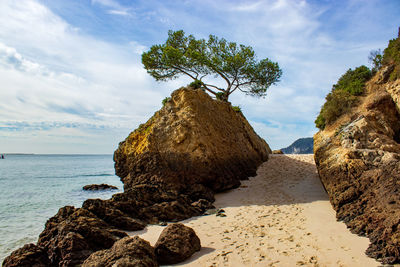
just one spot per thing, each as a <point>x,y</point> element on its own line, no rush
<point>170,166</point>
<point>192,140</point>
<point>358,161</point>
<point>194,146</point>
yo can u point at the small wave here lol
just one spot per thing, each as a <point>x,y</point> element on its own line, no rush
<point>79,175</point>
<point>100,174</point>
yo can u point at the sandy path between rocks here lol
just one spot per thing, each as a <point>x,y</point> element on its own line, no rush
<point>281,217</point>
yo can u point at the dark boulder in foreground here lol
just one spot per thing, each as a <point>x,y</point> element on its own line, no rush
<point>125,252</point>
<point>27,256</point>
<point>358,160</point>
<point>73,234</point>
<point>95,187</point>
<point>176,243</point>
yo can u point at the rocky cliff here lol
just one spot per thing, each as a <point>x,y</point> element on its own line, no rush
<point>358,162</point>
<point>171,166</point>
<point>192,140</point>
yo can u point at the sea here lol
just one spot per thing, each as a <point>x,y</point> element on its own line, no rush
<point>34,187</point>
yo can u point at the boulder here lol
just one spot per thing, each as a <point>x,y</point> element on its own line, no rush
<point>29,255</point>
<point>358,162</point>
<point>176,243</point>
<point>73,234</point>
<point>125,252</point>
<point>106,211</point>
<point>277,152</point>
<point>95,187</point>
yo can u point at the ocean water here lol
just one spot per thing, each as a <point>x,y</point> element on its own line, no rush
<point>34,187</point>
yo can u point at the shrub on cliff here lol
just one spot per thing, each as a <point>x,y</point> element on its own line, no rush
<point>343,95</point>
<point>391,55</point>
<point>235,64</point>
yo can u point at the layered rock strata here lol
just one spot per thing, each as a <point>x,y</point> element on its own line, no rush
<point>358,160</point>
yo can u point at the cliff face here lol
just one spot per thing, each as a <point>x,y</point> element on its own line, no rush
<point>192,140</point>
<point>358,162</point>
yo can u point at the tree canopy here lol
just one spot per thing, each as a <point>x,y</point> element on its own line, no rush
<point>198,59</point>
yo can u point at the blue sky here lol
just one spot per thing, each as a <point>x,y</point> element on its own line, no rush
<point>71,80</point>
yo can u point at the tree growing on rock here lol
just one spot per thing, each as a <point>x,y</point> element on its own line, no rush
<point>199,59</point>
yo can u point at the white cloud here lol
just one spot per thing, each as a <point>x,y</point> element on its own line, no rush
<point>115,8</point>
<point>50,71</point>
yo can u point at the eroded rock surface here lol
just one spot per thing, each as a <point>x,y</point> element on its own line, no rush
<point>172,165</point>
<point>358,160</point>
<point>29,255</point>
<point>129,251</point>
<point>176,243</point>
<point>192,140</point>
<point>73,234</point>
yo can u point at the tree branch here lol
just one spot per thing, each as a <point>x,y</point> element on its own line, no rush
<point>219,89</point>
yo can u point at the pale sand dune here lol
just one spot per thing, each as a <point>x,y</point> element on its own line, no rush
<point>281,217</point>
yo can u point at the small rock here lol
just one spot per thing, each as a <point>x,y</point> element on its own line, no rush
<point>176,243</point>
<point>92,187</point>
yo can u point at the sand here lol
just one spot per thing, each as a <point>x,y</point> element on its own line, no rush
<point>281,217</point>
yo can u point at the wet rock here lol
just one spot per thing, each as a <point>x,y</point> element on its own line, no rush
<point>125,252</point>
<point>29,255</point>
<point>176,244</point>
<point>95,187</point>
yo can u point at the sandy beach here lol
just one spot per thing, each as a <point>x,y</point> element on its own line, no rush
<point>281,217</point>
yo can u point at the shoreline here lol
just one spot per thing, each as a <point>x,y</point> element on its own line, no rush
<point>281,217</point>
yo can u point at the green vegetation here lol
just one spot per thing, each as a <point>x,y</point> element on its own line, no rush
<point>375,58</point>
<point>196,84</point>
<point>237,108</point>
<point>391,56</point>
<point>165,100</point>
<point>234,64</point>
<point>343,95</point>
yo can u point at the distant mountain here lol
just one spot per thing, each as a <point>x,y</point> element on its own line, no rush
<point>300,146</point>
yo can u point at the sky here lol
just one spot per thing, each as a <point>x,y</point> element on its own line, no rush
<point>71,78</point>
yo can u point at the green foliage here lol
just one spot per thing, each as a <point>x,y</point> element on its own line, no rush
<point>375,58</point>
<point>237,108</point>
<point>165,100</point>
<point>196,84</point>
<point>220,96</point>
<point>343,95</point>
<point>391,55</point>
<point>353,81</point>
<point>235,64</point>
